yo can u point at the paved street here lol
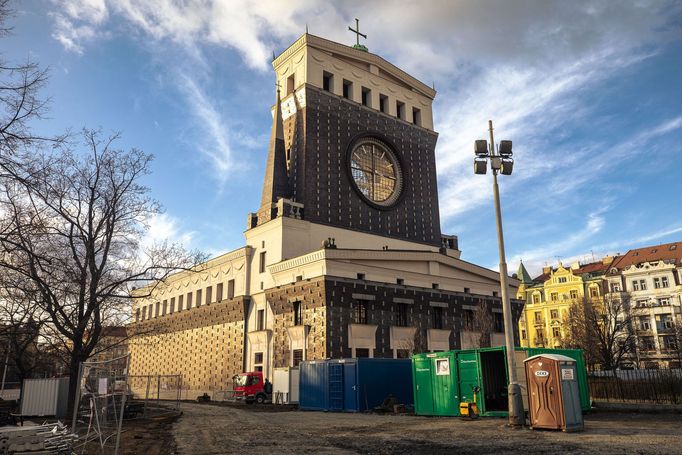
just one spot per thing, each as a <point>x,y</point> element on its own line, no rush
<point>209,429</point>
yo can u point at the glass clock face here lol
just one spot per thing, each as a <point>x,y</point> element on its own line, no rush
<point>376,172</point>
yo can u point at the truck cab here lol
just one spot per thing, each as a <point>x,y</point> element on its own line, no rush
<point>251,387</point>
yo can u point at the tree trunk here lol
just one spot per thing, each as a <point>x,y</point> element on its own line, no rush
<point>74,370</point>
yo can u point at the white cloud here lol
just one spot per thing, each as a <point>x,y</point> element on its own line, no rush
<point>163,227</point>
<point>216,144</point>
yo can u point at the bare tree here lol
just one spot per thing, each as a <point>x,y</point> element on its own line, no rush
<point>72,228</point>
<point>603,329</point>
<point>20,101</point>
<point>481,323</point>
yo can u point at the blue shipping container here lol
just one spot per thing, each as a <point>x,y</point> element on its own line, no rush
<point>354,384</point>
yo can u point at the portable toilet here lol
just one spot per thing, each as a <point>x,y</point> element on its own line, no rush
<point>553,392</point>
<point>313,386</point>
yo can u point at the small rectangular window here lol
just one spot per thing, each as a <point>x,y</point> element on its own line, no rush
<point>416,116</point>
<point>383,103</point>
<point>327,81</point>
<point>297,357</point>
<point>151,310</point>
<point>298,313</point>
<point>437,317</point>
<point>260,320</point>
<point>361,276</point>
<point>360,312</point>
<point>291,81</point>
<point>230,289</point>
<point>144,313</point>
<point>467,290</point>
<point>198,299</point>
<point>400,110</point>
<point>181,301</point>
<point>172,305</point>
<point>366,97</point>
<point>137,315</point>
<point>642,285</point>
<point>498,321</point>
<point>400,281</point>
<point>556,332</point>
<point>209,295</point>
<point>165,306</point>
<point>189,300</point>
<point>435,286</point>
<point>347,89</point>
<point>664,282</point>
<point>261,262</point>
<point>258,358</point>
<point>635,285</point>
<point>219,292</point>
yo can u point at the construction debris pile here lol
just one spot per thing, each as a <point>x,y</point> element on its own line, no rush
<point>52,439</point>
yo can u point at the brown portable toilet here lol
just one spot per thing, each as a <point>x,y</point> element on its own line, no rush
<point>553,393</point>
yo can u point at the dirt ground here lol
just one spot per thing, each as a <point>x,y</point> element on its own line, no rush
<point>243,429</point>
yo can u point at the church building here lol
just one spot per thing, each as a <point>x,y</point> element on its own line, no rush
<point>345,256</point>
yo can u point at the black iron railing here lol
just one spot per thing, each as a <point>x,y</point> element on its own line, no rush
<point>663,386</point>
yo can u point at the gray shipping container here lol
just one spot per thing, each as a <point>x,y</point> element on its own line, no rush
<point>45,397</point>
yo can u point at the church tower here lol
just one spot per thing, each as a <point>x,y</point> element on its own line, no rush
<point>359,143</point>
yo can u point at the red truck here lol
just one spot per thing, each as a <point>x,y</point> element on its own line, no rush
<point>251,387</point>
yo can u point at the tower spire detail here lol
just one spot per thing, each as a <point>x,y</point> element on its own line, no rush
<point>276,182</point>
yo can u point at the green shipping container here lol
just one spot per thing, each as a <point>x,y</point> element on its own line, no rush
<point>442,380</point>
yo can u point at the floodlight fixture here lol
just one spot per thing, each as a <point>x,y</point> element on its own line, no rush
<point>481,147</point>
<point>506,148</point>
<point>507,166</point>
<point>480,166</point>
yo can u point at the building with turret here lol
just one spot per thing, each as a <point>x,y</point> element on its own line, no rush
<point>344,256</point>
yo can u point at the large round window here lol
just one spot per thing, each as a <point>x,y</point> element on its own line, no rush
<point>376,171</point>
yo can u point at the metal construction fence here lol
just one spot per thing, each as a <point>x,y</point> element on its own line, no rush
<point>156,388</point>
<point>663,386</point>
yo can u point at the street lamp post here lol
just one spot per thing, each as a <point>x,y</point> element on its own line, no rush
<point>502,162</point>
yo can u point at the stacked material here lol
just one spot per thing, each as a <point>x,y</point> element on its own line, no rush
<point>53,439</point>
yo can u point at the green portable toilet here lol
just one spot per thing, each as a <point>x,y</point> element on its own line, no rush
<point>436,390</point>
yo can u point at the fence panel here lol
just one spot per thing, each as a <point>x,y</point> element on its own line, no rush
<point>662,386</point>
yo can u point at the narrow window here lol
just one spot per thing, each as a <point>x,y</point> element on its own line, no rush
<point>327,81</point>
<point>260,320</point>
<point>664,282</point>
<point>383,103</point>
<point>347,89</point>
<point>158,309</point>
<point>144,313</point>
<point>298,313</point>
<point>261,262</point>
<point>437,317</point>
<point>556,332</point>
<point>189,300</point>
<point>401,315</point>
<point>137,315</point>
<point>416,116</point>
<point>165,307</point>
<point>498,322</point>
<point>230,289</point>
<point>258,361</point>
<point>151,310</point>
<point>468,319</point>
<point>291,84</point>
<point>400,281</point>
<point>219,292</point>
<point>209,295</point>
<point>172,305</point>
<point>635,285</point>
<point>360,313</point>
<point>297,357</point>
<point>400,110</point>
<point>366,97</point>
<point>198,299</point>
<point>642,285</point>
<point>523,334</point>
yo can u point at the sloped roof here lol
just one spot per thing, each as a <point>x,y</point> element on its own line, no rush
<point>593,268</point>
<point>671,252</point>
<point>523,275</point>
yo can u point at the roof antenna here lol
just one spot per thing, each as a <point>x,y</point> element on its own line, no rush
<point>273,56</point>
<point>306,28</point>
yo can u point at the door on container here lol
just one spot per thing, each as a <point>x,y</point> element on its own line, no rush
<point>467,372</point>
<point>423,398</point>
<point>544,394</point>
<point>445,392</point>
<point>336,386</point>
<point>350,385</point>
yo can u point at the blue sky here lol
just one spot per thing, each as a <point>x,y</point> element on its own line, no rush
<point>589,92</point>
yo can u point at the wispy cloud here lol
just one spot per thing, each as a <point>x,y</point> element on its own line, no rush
<point>164,227</point>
